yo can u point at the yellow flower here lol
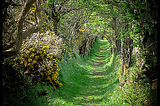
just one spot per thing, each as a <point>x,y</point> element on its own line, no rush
<point>60,84</point>
<point>25,63</point>
<point>44,52</point>
<point>47,55</point>
<point>33,62</point>
<point>32,54</point>
<point>56,73</point>
<point>50,53</point>
<point>45,47</point>
<point>32,11</point>
<point>33,49</point>
<point>36,57</point>
<point>42,74</point>
<point>42,31</point>
<point>58,69</point>
<point>29,60</point>
<point>40,51</point>
<point>43,65</point>
<point>21,62</point>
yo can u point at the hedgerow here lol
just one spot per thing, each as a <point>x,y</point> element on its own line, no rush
<point>37,60</point>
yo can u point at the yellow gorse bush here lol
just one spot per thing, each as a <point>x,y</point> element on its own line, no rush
<point>38,60</point>
<point>42,65</point>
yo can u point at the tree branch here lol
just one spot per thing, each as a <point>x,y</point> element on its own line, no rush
<point>9,45</point>
<point>31,30</point>
<point>113,3</point>
<point>30,22</point>
<point>23,13</point>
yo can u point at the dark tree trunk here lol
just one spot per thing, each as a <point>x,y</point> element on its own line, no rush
<point>82,48</point>
<point>56,21</point>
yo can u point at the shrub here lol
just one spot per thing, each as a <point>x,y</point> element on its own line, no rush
<point>38,63</point>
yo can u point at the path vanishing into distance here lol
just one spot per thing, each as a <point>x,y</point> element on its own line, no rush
<point>90,81</point>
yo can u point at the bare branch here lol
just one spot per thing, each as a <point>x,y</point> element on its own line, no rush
<point>30,22</point>
<point>9,45</point>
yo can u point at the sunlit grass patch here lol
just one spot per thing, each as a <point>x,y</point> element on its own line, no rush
<point>81,86</point>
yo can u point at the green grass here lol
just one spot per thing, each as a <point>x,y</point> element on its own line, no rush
<point>93,80</point>
<point>84,83</point>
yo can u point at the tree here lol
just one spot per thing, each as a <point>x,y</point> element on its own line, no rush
<point>13,46</point>
<point>57,9</point>
<point>143,16</point>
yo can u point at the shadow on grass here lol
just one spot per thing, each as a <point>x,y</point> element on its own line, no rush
<point>102,82</point>
<point>83,82</point>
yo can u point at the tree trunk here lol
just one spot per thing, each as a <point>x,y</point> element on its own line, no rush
<point>26,8</point>
<point>122,55</point>
<point>20,33</point>
<point>56,21</point>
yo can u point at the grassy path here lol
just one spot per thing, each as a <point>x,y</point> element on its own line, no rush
<point>95,87</point>
<point>92,81</point>
<point>99,76</point>
<point>89,81</point>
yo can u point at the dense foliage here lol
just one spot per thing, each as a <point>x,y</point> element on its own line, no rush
<point>37,35</point>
